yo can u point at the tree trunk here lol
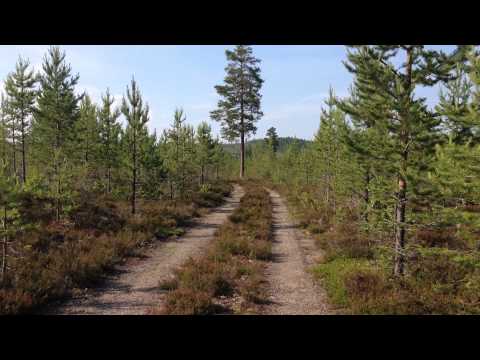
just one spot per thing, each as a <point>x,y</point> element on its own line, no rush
<point>58,196</point>
<point>202,176</point>
<point>24,164</point>
<point>400,233</point>
<point>4,247</point>
<point>242,155</point>
<point>109,179</point>
<point>242,135</point>
<point>366,195</point>
<point>57,170</point>
<point>134,178</point>
<point>109,175</point>
<point>14,155</point>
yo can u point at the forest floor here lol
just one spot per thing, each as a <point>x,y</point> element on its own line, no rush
<point>134,287</point>
<point>293,291</point>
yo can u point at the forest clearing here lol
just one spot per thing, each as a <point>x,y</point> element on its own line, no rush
<point>377,212</point>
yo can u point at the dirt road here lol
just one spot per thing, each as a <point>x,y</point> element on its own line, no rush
<point>135,289</point>
<point>292,289</point>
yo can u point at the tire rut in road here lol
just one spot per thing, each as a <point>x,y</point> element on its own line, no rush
<point>293,291</point>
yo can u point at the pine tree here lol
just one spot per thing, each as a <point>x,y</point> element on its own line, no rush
<point>180,154</point>
<point>87,132</point>
<point>368,140</point>
<point>272,140</point>
<point>456,173</point>
<point>453,106</point>
<point>8,201</point>
<point>411,124</point>
<point>20,87</point>
<point>3,130</point>
<point>188,166</point>
<point>329,143</point>
<point>153,166</point>
<point>218,156</point>
<point>109,133</point>
<point>11,127</point>
<point>206,147</point>
<point>55,118</point>
<point>471,120</point>
<point>455,177</point>
<point>136,114</point>
<point>174,138</point>
<point>307,162</point>
<point>239,109</point>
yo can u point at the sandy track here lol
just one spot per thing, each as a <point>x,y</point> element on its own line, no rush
<point>134,289</point>
<point>293,291</point>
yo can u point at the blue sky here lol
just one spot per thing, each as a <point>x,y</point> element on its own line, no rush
<point>297,79</point>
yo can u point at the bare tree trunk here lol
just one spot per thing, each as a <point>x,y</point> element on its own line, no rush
<point>242,155</point>
<point>14,154</point>
<point>400,233</point>
<point>366,196</point>
<point>58,195</point>
<point>242,136</point>
<point>4,247</point>
<point>109,175</point>
<point>4,139</point>
<point>109,179</point>
<point>57,169</point>
<point>134,179</point>
<point>24,164</point>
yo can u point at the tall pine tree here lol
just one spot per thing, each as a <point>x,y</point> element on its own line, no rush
<point>206,147</point>
<point>411,124</point>
<point>20,87</point>
<point>272,140</point>
<point>55,118</point>
<point>136,114</point>
<point>109,133</point>
<point>239,108</point>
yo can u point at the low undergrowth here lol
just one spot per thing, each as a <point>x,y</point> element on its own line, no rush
<point>439,281</point>
<point>229,277</point>
<point>54,259</point>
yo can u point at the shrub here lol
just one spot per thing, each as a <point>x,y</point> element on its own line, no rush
<point>446,237</point>
<point>205,275</point>
<point>95,216</point>
<point>186,301</point>
<point>346,241</point>
<point>439,281</point>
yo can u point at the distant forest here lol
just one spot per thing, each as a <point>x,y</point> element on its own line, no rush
<point>283,144</point>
